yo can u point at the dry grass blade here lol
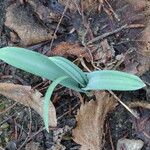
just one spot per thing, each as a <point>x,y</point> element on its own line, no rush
<point>28,97</point>
<point>90,121</point>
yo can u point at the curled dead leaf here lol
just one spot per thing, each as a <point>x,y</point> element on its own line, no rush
<point>28,97</point>
<point>26,24</point>
<point>90,121</point>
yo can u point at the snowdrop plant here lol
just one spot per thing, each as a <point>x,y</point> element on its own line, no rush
<point>64,72</point>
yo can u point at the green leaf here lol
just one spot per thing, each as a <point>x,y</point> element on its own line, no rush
<point>47,99</point>
<point>37,64</point>
<point>113,80</point>
<point>71,69</point>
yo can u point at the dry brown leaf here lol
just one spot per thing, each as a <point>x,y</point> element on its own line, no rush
<point>90,121</point>
<point>68,49</point>
<point>28,97</point>
<point>43,12</point>
<point>26,24</point>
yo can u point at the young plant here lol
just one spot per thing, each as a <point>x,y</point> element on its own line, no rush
<point>64,72</point>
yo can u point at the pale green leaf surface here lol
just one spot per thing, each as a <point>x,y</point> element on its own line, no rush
<point>47,100</point>
<point>113,80</point>
<point>71,69</point>
<point>37,64</point>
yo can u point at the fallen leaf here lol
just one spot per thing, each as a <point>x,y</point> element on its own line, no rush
<point>28,97</point>
<point>68,49</point>
<point>90,118</point>
<point>43,12</point>
<point>26,24</point>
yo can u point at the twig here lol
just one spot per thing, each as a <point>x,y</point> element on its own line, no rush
<point>101,37</point>
<point>59,23</point>
<point>112,11</point>
<point>84,65</point>
<point>4,112</point>
<point>123,104</point>
<point>39,131</point>
<point>68,111</point>
<point>26,140</point>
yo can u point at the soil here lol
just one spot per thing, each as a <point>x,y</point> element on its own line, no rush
<point>21,127</point>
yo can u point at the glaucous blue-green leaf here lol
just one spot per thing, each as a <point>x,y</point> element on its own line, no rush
<point>113,80</point>
<point>71,69</point>
<point>37,64</point>
<point>47,99</point>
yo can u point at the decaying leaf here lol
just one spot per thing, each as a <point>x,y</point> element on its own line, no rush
<point>28,97</point>
<point>26,24</point>
<point>90,121</point>
<point>43,12</point>
<point>69,49</point>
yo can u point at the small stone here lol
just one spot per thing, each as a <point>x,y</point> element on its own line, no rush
<point>128,144</point>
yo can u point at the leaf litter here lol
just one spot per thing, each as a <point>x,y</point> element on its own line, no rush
<point>29,98</point>
<point>91,117</point>
<point>26,24</point>
<point>131,45</point>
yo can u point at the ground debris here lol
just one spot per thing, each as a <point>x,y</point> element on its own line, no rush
<point>69,50</point>
<point>90,121</point>
<point>28,97</point>
<point>141,125</point>
<point>44,13</point>
<point>33,146</point>
<point>26,24</point>
<point>126,144</point>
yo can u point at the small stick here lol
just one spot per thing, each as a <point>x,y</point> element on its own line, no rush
<point>59,23</point>
<point>107,34</point>
<point>101,37</point>
<point>123,104</point>
<point>30,125</point>
<point>7,109</point>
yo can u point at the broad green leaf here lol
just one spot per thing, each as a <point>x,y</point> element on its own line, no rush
<point>37,64</point>
<point>113,80</point>
<point>47,100</point>
<point>71,69</point>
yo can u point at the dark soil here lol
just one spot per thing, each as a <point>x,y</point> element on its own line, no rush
<point>15,129</point>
